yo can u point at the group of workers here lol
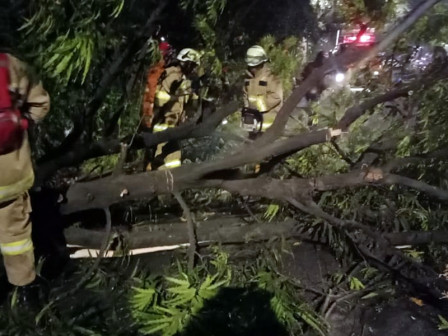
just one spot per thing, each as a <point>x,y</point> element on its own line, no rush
<point>169,93</point>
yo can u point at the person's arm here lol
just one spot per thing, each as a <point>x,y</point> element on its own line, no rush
<point>274,95</point>
<point>172,81</point>
<point>36,100</point>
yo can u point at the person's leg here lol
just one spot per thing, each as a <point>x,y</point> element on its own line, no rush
<point>48,232</point>
<point>172,160</point>
<point>15,241</point>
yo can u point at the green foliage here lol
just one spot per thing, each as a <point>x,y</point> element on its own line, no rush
<point>376,13</point>
<point>100,165</point>
<point>206,16</point>
<point>70,44</point>
<point>167,305</point>
<point>414,254</point>
<point>356,284</point>
<point>317,160</point>
<point>433,118</point>
<point>432,28</point>
<point>98,308</point>
<point>443,323</point>
<point>66,51</point>
<point>286,57</point>
<point>285,305</point>
<point>271,211</point>
<point>70,55</point>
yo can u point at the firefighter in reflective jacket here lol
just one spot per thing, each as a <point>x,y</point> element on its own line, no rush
<point>173,94</point>
<point>16,178</point>
<point>263,92</point>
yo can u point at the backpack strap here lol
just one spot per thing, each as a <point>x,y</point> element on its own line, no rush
<point>5,96</point>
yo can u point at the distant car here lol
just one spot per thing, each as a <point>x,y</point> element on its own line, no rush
<point>354,37</point>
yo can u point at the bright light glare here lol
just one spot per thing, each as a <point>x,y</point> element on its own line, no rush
<point>365,38</point>
<point>225,122</point>
<point>339,77</point>
<point>356,89</point>
<point>376,73</point>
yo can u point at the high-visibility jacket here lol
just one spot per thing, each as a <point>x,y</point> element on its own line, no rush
<point>152,80</point>
<point>173,93</point>
<point>263,92</point>
<point>17,174</point>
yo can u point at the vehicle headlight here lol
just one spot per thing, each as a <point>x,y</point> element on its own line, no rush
<point>339,77</point>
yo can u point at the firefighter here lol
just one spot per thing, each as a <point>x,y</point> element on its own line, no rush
<point>174,93</point>
<point>18,92</point>
<point>154,74</point>
<point>263,93</point>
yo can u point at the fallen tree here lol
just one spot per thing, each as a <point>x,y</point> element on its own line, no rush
<point>298,192</point>
<point>222,231</point>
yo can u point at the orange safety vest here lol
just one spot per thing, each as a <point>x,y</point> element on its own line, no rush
<point>154,74</point>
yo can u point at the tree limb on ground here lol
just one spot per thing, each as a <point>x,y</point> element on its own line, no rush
<point>107,191</point>
<point>228,230</point>
<point>112,146</point>
<point>378,251</point>
<point>195,172</point>
<point>279,123</point>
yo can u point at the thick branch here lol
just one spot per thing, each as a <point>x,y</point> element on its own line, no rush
<point>229,230</point>
<point>353,113</point>
<point>191,129</point>
<point>417,237</point>
<point>399,163</point>
<point>107,191</point>
<point>88,196</point>
<point>112,146</point>
<point>434,192</point>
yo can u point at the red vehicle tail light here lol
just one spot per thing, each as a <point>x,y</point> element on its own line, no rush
<point>366,38</point>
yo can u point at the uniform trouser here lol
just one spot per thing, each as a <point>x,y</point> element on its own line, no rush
<point>15,240</point>
<point>172,160</point>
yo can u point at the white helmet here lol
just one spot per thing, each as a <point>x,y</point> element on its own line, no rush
<point>255,56</point>
<point>190,55</point>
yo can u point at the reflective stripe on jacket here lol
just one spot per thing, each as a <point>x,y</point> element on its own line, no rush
<point>263,91</point>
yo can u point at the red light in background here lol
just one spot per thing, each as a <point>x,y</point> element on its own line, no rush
<point>366,38</point>
<point>349,39</point>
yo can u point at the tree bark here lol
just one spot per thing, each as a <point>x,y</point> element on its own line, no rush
<point>228,230</point>
<point>105,192</point>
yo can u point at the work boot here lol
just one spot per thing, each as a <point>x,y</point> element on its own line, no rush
<point>32,296</point>
<point>27,297</point>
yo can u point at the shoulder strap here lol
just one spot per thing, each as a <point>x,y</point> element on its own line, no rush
<point>5,96</point>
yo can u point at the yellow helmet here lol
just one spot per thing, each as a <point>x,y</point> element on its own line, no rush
<point>189,55</point>
<point>256,55</point>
